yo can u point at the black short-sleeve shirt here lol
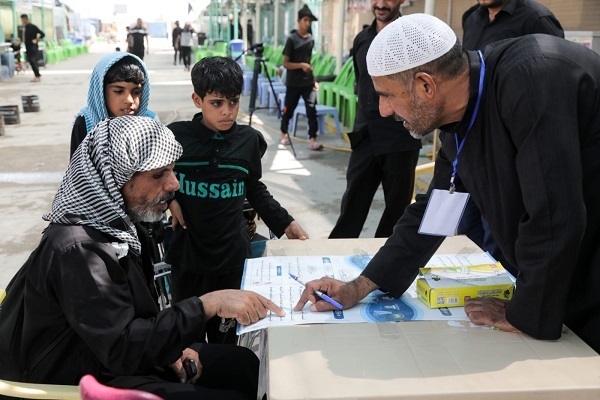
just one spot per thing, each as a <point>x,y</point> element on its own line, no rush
<point>299,50</point>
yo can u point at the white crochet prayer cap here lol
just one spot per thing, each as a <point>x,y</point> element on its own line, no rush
<point>409,42</point>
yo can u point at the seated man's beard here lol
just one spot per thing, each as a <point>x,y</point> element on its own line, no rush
<point>146,214</point>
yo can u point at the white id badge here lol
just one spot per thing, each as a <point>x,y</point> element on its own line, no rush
<point>443,213</point>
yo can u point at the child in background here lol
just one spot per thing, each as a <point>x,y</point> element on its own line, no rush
<point>119,86</point>
<point>219,168</point>
<point>300,81</point>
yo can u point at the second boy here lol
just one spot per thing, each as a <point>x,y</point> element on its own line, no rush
<point>220,168</point>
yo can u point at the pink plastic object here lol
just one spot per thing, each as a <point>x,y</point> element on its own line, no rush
<point>91,389</point>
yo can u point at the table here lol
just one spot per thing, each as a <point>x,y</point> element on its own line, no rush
<point>420,359</point>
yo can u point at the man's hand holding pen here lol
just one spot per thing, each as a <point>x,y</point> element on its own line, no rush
<point>345,293</point>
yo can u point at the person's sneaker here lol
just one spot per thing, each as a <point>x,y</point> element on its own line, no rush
<point>315,146</point>
<point>285,141</point>
<point>36,79</point>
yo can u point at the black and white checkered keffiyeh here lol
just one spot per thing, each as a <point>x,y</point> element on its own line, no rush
<point>107,158</point>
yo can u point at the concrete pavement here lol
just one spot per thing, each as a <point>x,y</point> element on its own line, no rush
<point>34,154</point>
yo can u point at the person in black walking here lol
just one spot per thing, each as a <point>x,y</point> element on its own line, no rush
<point>136,37</point>
<point>300,80</point>
<point>185,43</point>
<point>175,36</point>
<point>31,37</point>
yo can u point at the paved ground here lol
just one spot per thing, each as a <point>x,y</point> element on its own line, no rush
<point>34,154</point>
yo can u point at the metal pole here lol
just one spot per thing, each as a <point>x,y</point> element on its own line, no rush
<point>244,21</point>
<point>296,7</point>
<point>14,18</point>
<point>276,24</point>
<point>210,20</point>
<point>340,35</point>
<point>430,7</point>
<point>258,23</point>
<point>236,20</point>
<point>43,16</point>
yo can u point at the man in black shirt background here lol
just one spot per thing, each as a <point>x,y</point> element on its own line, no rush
<point>483,24</point>
<point>382,149</point>
<point>529,139</point>
<point>175,37</point>
<point>495,20</point>
<point>31,37</point>
<point>137,34</point>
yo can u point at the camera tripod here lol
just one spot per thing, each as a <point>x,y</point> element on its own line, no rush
<point>258,63</point>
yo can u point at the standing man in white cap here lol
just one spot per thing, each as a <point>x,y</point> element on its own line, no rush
<point>524,123</point>
<point>383,152</point>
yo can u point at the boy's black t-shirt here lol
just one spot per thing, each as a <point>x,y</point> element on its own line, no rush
<point>138,36</point>
<point>216,172</point>
<point>299,50</point>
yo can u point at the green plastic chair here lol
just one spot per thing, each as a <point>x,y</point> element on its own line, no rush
<point>348,83</point>
<point>68,48</point>
<point>327,88</point>
<point>321,65</point>
<point>54,53</point>
<point>201,52</point>
<point>348,104</point>
<point>275,60</point>
<point>219,49</point>
<point>249,61</point>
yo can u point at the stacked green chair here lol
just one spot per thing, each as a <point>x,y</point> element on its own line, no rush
<point>68,48</point>
<point>327,88</point>
<point>274,60</point>
<point>325,66</point>
<point>219,49</point>
<point>347,83</point>
<point>348,104</point>
<point>54,48</point>
<point>201,52</point>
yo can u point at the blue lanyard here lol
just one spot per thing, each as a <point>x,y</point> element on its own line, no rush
<point>460,145</point>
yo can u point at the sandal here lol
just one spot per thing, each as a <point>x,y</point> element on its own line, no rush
<point>315,146</point>
<point>285,141</point>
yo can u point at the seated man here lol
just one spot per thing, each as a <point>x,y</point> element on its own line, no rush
<point>83,303</point>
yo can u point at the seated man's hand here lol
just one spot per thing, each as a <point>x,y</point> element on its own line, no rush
<point>177,214</point>
<point>295,231</point>
<point>245,306</point>
<point>345,293</point>
<point>177,366</point>
<point>489,311</point>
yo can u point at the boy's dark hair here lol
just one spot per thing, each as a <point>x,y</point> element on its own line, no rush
<point>24,16</point>
<point>217,75</point>
<point>127,69</point>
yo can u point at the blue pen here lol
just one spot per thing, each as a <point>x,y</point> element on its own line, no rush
<point>320,294</point>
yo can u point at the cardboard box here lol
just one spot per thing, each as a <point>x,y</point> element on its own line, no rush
<point>451,286</point>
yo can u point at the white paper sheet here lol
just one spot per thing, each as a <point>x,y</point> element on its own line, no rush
<point>269,276</point>
<point>459,260</point>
